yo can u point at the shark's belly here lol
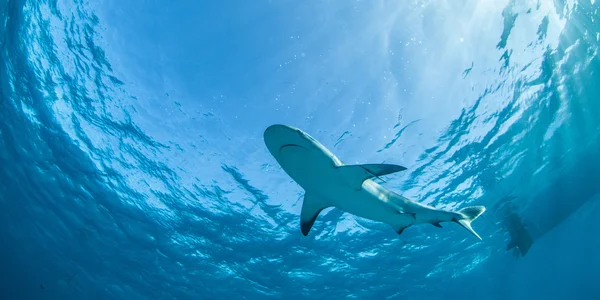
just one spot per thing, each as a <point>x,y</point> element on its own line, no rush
<point>316,172</point>
<point>366,205</point>
<point>309,168</point>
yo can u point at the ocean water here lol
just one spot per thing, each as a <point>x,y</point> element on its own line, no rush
<point>133,164</point>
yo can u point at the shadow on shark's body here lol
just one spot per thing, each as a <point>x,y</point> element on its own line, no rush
<point>328,182</point>
<point>573,187</point>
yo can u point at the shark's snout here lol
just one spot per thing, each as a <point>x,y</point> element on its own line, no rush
<point>278,131</point>
<point>278,136</point>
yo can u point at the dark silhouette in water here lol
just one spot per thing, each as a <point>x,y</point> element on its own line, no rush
<point>67,281</point>
<point>520,238</point>
<point>571,188</point>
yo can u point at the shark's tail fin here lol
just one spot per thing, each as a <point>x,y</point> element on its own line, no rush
<point>468,215</point>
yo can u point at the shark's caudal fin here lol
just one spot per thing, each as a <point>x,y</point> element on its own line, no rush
<point>468,215</point>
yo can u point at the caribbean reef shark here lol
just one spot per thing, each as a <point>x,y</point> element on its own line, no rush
<point>328,182</point>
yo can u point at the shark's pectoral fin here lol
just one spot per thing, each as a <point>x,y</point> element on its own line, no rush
<point>437,224</point>
<point>359,173</point>
<point>311,207</point>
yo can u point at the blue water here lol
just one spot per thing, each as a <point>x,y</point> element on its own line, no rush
<point>133,164</point>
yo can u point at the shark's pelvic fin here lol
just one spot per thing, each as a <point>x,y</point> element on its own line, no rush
<point>399,228</point>
<point>437,224</point>
<point>311,207</point>
<point>403,221</point>
<point>359,173</point>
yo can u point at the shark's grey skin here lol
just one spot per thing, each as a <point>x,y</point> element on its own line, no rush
<point>328,182</point>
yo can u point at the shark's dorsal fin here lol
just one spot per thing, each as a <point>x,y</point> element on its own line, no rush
<point>359,173</point>
<point>311,207</point>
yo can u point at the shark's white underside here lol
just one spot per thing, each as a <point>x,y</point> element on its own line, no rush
<point>328,182</point>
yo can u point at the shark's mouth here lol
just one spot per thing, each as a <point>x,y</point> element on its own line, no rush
<point>290,145</point>
<point>292,152</point>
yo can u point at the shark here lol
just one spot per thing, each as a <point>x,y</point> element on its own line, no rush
<point>328,182</point>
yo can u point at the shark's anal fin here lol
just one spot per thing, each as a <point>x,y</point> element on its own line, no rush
<point>357,174</point>
<point>311,207</point>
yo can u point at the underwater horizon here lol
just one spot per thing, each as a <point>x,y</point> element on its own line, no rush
<point>134,166</point>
